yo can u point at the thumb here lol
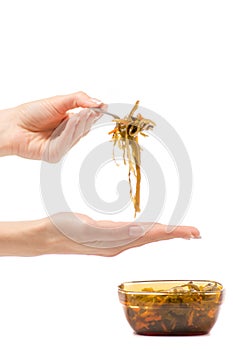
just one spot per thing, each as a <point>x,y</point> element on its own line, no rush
<point>63,103</point>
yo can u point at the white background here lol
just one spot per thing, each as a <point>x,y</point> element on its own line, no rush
<point>176,57</point>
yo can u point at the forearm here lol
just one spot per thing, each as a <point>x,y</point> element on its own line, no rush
<point>25,238</point>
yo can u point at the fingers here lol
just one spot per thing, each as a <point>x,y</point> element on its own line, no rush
<point>186,232</point>
<point>163,232</point>
<point>158,232</point>
<point>64,103</point>
<point>85,120</point>
<point>68,133</point>
<point>60,141</point>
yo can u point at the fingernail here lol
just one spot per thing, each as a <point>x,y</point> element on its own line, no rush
<point>96,101</point>
<point>136,231</point>
<point>195,237</point>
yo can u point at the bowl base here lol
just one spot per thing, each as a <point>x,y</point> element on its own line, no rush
<point>181,334</point>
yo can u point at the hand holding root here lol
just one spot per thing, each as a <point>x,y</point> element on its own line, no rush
<point>46,129</point>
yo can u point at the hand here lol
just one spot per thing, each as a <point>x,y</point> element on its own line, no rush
<point>79,234</point>
<point>45,129</point>
<point>83,235</point>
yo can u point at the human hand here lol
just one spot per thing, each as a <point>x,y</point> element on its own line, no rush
<point>68,233</point>
<point>44,129</point>
<point>79,234</point>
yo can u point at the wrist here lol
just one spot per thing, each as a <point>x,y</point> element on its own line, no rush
<point>43,237</point>
<point>54,241</point>
<point>6,132</point>
<point>51,239</point>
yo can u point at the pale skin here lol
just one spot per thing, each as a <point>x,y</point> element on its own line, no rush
<point>26,131</point>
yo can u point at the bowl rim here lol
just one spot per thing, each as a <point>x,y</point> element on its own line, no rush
<point>121,290</point>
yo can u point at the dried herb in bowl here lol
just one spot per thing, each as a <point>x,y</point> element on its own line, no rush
<point>184,308</point>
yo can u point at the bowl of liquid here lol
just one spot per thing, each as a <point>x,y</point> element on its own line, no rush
<point>169,307</point>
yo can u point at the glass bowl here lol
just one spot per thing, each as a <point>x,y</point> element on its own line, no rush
<point>179,307</point>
